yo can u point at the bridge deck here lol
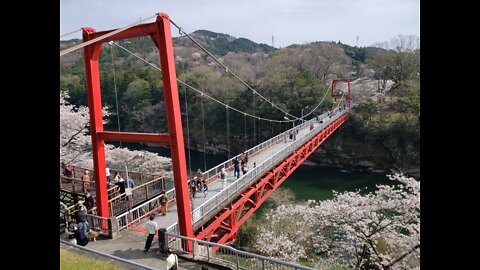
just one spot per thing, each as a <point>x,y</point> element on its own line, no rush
<point>215,186</point>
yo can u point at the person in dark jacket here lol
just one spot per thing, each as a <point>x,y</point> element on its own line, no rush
<point>80,236</point>
<point>81,217</point>
<point>89,202</point>
<point>236,167</point>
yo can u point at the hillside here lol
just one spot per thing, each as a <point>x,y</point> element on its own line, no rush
<point>385,91</point>
<point>221,44</point>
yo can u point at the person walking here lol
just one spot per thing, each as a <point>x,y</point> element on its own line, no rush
<point>244,168</point>
<point>109,177</point>
<point>69,170</point>
<point>236,167</point>
<point>245,157</point>
<point>193,186</point>
<point>199,174</point>
<point>151,228</point>
<point>205,188</point>
<point>163,202</point>
<point>89,202</point>
<point>86,181</point>
<point>64,169</point>
<point>198,183</point>
<point>223,177</point>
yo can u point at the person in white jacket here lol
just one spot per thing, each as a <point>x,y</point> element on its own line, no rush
<point>223,176</point>
<point>151,228</point>
<point>172,262</point>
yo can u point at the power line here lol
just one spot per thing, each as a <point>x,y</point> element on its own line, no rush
<point>180,30</point>
<point>201,92</point>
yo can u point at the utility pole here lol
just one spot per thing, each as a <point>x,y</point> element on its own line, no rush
<point>273,43</point>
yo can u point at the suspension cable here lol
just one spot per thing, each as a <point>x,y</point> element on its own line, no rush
<point>200,92</point>
<point>227,70</point>
<point>204,138</point>
<point>69,33</point>
<point>316,107</point>
<point>115,87</point>
<point>188,136</point>
<point>254,128</point>
<point>259,132</point>
<point>83,44</point>
<point>245,136</point>
<point>271,134</point>
<point>228,131</point>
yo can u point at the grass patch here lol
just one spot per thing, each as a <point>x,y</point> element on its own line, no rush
<point>70,260</point>
<point>308,264</point>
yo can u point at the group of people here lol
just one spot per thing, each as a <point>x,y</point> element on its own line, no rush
<point>240,163</point>
<point>198,184</point>
<point>79,233</point>
<point>118,181</point>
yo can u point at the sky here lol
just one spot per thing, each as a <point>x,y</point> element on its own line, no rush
<point>288,21</point>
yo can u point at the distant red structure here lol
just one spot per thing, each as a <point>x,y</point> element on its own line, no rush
<point>341,95</point>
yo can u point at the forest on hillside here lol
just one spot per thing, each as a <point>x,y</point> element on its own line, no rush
<point>385,89</point>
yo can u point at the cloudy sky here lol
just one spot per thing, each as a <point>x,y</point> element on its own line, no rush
<point>289,21</point>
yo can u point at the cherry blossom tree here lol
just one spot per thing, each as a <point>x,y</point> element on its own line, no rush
<point>74,121</point>
<point>76,144</point>
<point>379,230</point>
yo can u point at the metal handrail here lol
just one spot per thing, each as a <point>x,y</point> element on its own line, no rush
<point>222,198</point>
<point>206,250</point>
<point>137,213</point>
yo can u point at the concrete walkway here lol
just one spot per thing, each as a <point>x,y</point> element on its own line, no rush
<point>130,244</point>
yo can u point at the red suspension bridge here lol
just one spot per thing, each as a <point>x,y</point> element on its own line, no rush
<point>218,217</point>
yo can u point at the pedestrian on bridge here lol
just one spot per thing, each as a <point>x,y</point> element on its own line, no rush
<point>130,183</point>
<point>244,168</point>
<point>64,168</point>
<point>69,170</point>
<point>199,174</point>
<point>151,228</point>
<point>163,202</point>
<point>198,183</point>
<point>236,167</point>
<point>109,177</point>
<point>86,181</point>
<point>223,176</point>
<point>205,188</point>
<point>193,186</point>
<point>89,202</point>
<point>245,157</point>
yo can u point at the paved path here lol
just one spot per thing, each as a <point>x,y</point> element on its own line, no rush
<point>130,244</point>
